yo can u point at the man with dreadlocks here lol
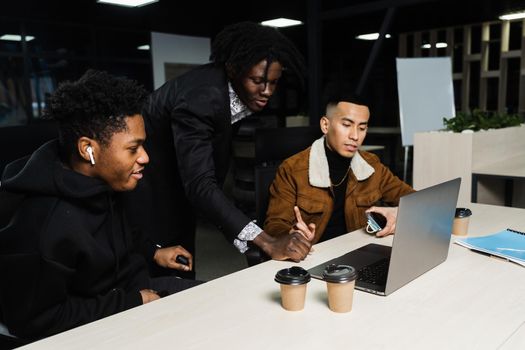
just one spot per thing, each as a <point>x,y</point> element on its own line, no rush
<point>189,127</point>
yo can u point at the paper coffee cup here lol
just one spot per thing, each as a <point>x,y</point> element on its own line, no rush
<point>293,283</point>
<point>340,283</point>
<point>461,220</point>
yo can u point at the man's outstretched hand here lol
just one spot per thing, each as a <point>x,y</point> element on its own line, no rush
<point>293,246</point>
<point>308,231</point>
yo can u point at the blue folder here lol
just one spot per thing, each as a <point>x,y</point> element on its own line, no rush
<point>508,244</point>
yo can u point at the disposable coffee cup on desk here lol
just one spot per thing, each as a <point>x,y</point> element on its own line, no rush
<point>340,283</point>
<point>293,283</point>
<point>461,220</point>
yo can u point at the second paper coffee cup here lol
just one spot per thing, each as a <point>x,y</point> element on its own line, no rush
<point>340,282</point>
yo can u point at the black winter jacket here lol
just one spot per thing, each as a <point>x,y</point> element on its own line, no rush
<point>67,257</point>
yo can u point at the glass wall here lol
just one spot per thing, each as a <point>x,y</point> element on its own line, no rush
<point>487,61</point>
<point>35,57</point>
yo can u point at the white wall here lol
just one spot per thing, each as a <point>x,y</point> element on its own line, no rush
<point>172,48</point>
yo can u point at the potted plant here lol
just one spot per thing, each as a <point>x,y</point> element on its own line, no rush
<point>474,141</point>
<point>481,120</point>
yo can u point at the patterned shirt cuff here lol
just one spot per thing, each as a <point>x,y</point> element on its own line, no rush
<point>248,233</point>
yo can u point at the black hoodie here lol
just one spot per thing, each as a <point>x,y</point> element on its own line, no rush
<point>67,257</point>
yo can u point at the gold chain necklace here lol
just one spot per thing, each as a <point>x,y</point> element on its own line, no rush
<point>344,177</point>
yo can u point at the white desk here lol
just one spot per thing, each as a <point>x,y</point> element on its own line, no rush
<point>389,136</point>
<point>385,130</point>
<point>469,302</point>
<point>372,148</point>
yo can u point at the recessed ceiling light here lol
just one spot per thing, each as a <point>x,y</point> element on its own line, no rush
<point>127,3</point>
<point>143,47</point>
<point>438,46</point>
<point>370,36</point>
<point>281,22</point>
<point>511,16</point>
<point>15,37</point>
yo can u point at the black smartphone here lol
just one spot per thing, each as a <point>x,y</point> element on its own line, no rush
<point>375,221</point>
<point>181,259</point>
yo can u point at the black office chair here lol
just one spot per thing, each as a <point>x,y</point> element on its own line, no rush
<point>264,175</point>
<point>19,141</point>
<point>8,342</point>
<point>272,146</point>
<point>276,144</point>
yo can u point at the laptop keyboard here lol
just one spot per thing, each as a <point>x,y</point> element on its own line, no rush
<point>375,273</point>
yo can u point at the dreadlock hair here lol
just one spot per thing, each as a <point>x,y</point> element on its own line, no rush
<point>94,106</point>
<point>242,45</point>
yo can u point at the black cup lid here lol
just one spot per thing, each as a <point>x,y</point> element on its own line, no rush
<point>463,212</point>
<point>339,273</point>
<point>293,275</point>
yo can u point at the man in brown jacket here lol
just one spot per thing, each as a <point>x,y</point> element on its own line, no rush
<point>331,184</point>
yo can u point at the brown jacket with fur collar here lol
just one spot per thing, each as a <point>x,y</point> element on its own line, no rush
<point>304,180</point>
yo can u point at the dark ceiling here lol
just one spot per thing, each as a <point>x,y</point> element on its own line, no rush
<point>339,57</point>
<point>206,18</point>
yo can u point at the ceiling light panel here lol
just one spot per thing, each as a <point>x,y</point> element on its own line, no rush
<point>127,3</point>
<point>281,22</point>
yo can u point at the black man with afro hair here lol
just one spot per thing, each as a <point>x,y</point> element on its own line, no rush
<point>68,255</point>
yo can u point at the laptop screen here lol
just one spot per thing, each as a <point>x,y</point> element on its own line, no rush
<point>421,242</point>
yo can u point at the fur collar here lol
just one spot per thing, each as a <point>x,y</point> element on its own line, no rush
<point>318,171</point>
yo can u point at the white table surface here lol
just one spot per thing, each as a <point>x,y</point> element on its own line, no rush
<point>371,148</point>
<point>383,130</point>
<point>471,301</point>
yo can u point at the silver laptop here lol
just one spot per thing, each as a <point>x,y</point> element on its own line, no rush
<point>421,242</point>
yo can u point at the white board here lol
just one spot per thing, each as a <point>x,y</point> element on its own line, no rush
<point>426,95</point>
<point>173,48</point>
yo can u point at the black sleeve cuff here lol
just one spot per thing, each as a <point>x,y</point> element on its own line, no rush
<point>133,299</point>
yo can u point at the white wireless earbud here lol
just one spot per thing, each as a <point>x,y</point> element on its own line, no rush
<point>89,150</point>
